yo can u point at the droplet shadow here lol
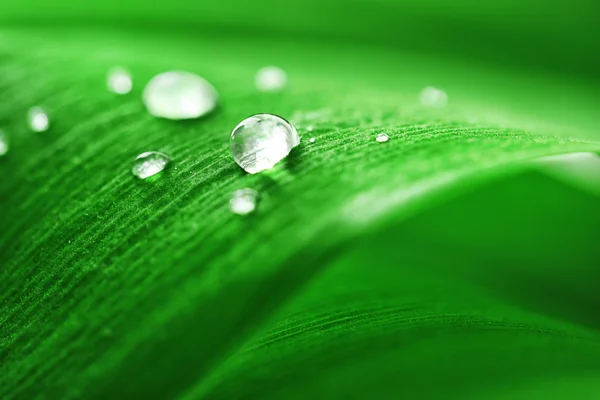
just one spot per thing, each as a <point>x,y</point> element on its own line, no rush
<point>293,161</point>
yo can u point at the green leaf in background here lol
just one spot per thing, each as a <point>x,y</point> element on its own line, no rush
<point>438,264</point>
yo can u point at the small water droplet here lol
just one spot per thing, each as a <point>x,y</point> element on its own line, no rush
<point>243,201</point>
<point>270,79</point>
<point>261,141</point>
<point>179,95</point>
<point>119,80</point>
<point>382,137</point>
<point>433,97</point>
<point>310,128</point>
<point>3,143</point>
<point>312,140</point>
<point>150,163</point>
<point>38,119</point>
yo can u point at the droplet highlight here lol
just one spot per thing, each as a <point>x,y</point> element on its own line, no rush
<point>3,143</point>
<point>433,97</point>
<point>179,95</point>
<point>149,164</point>
<point>38,119</point>
<point>382,137</point>
<point>261,141</point>
<point>270,79</point>
<point>243,201</point>
<point>312,140</point>
<point>119,80</point>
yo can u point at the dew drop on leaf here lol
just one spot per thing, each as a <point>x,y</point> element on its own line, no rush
<point>37,119</point>
<point>3,143</point>
<point>243,201</point>
<point>119,80</point>
<point>382,137</point>
<point>261,141</point>
<point>270,79</point>
<point>312,140</point>
<point>433,97</point>
<point>179,95</point>
<point>149,164</point>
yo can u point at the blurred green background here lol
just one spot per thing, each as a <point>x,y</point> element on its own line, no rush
<point>442,264</point>
<point>557,35</point>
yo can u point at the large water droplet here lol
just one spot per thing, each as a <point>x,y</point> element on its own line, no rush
<point>3,143</point>
<point>382,137</point>
<point>270,79</point>
<point>433,97</point>
<point>179,95</point>
<point>37,119</point>
<point>243,201</point>
<point>150,163</point>
<point>261,141</point>
<point>119,81</point>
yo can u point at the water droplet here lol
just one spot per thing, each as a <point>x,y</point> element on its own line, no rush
<point>312,140</point>
<point>179,95</point>
<point>433,97</point>
<point>243,201</point>
<point>382,137</point>
<point>310,128</point>
<point>38,119</point>
<point>150,163</point>
<point>261,141</point>
<point>3,143</point>
<point>270,79</point>
<point>119,81</point>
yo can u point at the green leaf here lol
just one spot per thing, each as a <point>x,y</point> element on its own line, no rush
<point>115,287</point>
<point>480,303</point>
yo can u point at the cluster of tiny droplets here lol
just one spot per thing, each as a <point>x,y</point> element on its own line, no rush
<point>257,143</point>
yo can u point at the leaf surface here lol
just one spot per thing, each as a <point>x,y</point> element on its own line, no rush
<point>155,289</point>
